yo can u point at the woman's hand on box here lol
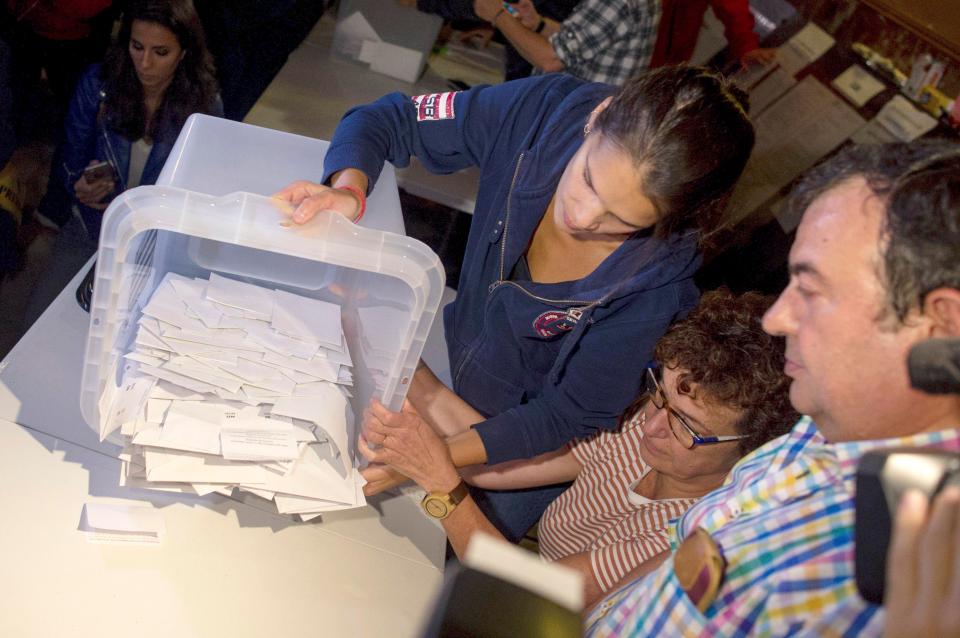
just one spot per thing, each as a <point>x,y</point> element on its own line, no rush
<point>408,444</point>
<point>91,193</point>
<point>311,198</point>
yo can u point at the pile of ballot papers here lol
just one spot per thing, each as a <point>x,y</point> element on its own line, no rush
<point>229,386</point>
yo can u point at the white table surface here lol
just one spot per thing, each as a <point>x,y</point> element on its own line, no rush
<point>222,568</point>
<point>315,88</point>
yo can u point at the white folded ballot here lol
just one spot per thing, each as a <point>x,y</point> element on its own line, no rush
<point>234,386</point>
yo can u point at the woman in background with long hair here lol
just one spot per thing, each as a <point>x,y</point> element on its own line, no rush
<point>129,111</point>
<point>124,118</point>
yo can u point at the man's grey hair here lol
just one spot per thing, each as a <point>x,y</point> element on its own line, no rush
<point>919,183</point>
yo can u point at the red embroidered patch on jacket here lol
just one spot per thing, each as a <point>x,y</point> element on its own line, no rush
<point>551,323</point>
<point>435,106</point>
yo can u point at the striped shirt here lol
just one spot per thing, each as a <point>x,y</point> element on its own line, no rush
<point>608,40</point>
<point>784,522</point>
<point>601,514</point>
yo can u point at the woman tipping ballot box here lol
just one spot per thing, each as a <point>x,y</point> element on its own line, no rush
<point>592,204</point>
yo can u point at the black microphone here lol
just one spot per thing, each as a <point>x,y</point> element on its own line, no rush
<point>934,366</point>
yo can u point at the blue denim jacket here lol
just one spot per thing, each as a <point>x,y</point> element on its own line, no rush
<point>545,363</point>
<point>87,138</point>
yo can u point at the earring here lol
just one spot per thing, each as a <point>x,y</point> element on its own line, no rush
<point>586,129</point>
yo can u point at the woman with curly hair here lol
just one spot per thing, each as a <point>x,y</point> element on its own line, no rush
<point>716,393</point>
<point>127,113</point>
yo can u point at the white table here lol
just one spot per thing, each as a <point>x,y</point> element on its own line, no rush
<point>222,569</point>
<point>315,88</point>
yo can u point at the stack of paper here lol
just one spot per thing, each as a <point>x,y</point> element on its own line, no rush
<point>230,385</point>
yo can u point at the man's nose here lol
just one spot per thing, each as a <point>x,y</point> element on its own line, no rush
<point>778,320</point>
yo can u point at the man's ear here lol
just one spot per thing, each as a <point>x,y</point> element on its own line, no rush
<point>942,307</point>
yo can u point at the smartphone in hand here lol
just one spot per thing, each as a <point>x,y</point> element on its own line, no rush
<point>101,171</point>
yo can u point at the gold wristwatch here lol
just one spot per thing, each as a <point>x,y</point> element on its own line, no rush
<point>439,505</point>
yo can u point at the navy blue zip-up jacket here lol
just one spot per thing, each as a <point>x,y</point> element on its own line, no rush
<point>545,363</point>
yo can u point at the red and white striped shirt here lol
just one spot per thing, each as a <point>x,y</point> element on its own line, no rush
<point>601,513</point>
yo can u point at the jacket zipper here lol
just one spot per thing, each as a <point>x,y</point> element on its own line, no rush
<point>553,302</point>
<point>503,257</point>
<point>573,313</point>
<point>503,243</point>
<point>506,222</point>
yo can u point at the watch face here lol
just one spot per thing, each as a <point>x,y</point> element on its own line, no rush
<point>435,507</point>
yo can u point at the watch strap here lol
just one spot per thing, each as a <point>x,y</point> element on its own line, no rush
<point>460,492</point>
<point>540,26</point>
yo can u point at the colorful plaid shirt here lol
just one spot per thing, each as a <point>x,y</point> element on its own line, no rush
<point>784,522</point>
<point>608,40</point>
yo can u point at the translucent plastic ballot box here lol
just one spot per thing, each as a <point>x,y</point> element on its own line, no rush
<point>385,286</point>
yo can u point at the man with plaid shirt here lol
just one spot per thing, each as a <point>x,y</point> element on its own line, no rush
<point>602,40</point>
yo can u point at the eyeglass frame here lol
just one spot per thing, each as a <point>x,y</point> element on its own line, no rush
<point>697,438</point>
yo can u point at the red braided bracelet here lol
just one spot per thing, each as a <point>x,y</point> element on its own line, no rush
<point>359,193</point>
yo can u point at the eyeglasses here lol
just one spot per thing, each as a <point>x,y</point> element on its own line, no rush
<point>687,436</point>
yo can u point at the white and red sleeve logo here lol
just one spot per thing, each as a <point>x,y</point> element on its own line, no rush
<point>436,106</point>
